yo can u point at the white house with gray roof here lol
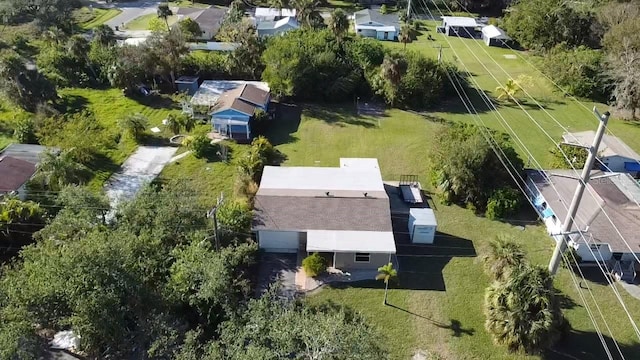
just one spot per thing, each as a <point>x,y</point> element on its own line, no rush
<point>614,154</point>
<point>277,27</point>
<point>373,24</point>
<point>460,26</point>
<point>606,226</point>
<point>341,212</point>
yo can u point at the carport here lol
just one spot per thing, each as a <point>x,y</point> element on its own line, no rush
<point>353,249</point>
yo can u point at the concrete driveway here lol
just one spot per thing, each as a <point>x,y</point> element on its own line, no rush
<point>138,170</point>
<point>279,269</point>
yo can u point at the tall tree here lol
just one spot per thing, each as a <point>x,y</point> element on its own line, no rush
<point>165,52</point>
<point>190,29</point>
<point>57,170</point>
<point>78,47</point>
<point>405,35</point>
<point>163,13</point>
<point>279,4</point>
<point>247,58</point>
<point>504,257</point>
<point>339,23</point>
<point>386,273</point>
<point>307,12</point>
<point>26,88</point>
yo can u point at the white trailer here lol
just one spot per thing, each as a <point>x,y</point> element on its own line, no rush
<point>422,225</point>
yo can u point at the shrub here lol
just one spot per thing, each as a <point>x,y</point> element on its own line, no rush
<point>134,125</point>
<point>314,265</point>
<point>502,203</point>
<point>384,9</point>
<point>578,71</point>
<point>24,131</point>
<point>198,144</point>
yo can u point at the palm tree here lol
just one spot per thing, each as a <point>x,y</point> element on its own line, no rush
<point>174,124</point>
<point>163,13</point>
<point>504,256</point>
<point>386,273</point>
<point>523,312</point>
<point>510,90</point>
<point>405,35</point>
<point>339,23</point>
<point>187,121</point>
<point>58,170</point>
<point>392,69</point>
<point>134,125</point>
<point>306,11</point>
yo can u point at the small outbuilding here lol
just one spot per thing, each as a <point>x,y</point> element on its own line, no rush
<point>460,26</point>
<point>422,225</point>
<point>494,36</point>
<point>188,84</point>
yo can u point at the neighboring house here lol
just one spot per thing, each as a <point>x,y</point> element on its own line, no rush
<point>232,104</point>
<point>272,14</point>
<point>209,19</point>
<point>373,24</point>
<point>494,36</point>
<point>343,213</point>
<point>188,84</point>
<point>18,164</point>
<point>613,153</point>
<point>277,27</point>
<point>459,26</point>
<point>609,198</point>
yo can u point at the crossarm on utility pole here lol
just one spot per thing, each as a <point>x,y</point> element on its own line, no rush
<point>577,196</point>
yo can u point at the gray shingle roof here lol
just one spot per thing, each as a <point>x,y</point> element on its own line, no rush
<point>364,17</point>
<point>26,152</point>
<point>603,193</point>
<point>321,213</point>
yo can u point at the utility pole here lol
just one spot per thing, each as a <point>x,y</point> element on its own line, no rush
<point>409,9</point>
<point>439,46</point>
<point>577,196</point>
<point>213,214</point>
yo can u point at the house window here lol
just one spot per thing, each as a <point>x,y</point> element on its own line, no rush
<point>362,257</point>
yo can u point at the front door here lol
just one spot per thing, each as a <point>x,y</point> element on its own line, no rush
<point>386,35</point>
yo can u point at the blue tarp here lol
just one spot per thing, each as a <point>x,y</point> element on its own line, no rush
<point>632,166</point>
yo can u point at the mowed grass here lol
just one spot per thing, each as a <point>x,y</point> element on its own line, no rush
<point>91,18</point>
<point>142,22</point>
<point>438,307</point>
<point>538,129</point>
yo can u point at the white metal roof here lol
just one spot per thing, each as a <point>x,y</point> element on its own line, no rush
<point>494,32</point>
<point>354,175</point>
<point>609,146</point>
<point>376,28</point>
<point>271,12</point>
<point>210,90</point>
<point>459,21</point>
<point>423,216</point>
<point>351,241</point>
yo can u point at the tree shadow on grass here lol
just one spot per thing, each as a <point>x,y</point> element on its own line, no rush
<point>287,121</point>
<point>71,103</point>
<point>582,345</point>
<point>338,115</point>
<point>455,105</point>
<point>158,101</point>
<point>102,167</point>
<point>457,330</point>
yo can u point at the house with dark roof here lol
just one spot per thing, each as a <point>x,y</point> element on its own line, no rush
<point>373,24</point>
<point>343,213</point>
<point>276,27</point>
<point>613,154</point>
<point>18,164</point>
<point>209,19</point>
<point>606,226</point>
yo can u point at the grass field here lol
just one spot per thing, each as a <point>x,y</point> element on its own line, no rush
<point>90,18</point>
<point>142,22</point>
<point>439,307</point>
<point>479,61</point>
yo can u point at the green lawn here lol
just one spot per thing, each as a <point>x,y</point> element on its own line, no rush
<point>439,307</point>
<point>570,114</point>
<point>142,22</point>
<point>90,18</point>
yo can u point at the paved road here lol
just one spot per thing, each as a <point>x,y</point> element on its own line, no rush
<point>132,10</point>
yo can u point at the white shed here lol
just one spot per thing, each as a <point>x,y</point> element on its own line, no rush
<point>422,225</point>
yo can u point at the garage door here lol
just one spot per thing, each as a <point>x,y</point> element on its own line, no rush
<point>279,241</point>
